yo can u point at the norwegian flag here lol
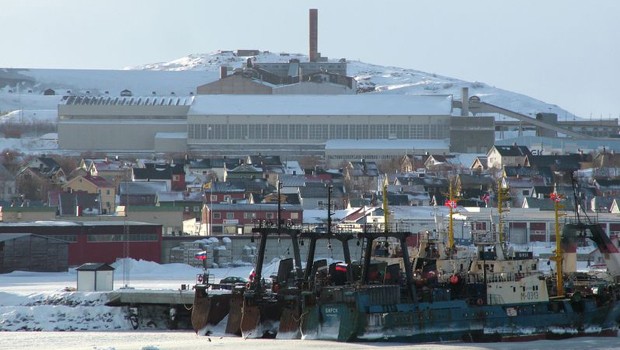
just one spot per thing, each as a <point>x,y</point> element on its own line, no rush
<point>556,197</point>
<point>486,198</point>
<point>450,203</point>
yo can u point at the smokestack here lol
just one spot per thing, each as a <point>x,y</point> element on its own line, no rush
<point>465,102</point>
<point>314,35</point>
<point>223,72</point>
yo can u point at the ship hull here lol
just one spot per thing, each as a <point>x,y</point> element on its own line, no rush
<point>208,309</point>
<point>456,320</point>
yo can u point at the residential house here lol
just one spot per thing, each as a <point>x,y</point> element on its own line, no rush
<point>271,166</point>
<point>316,195</point>
<point>172,175</point>
<point>38,177</point>
<point>244,171</point>
<point>412,187</point>
<point>8,186</point>
<point>473,186</point>
<point>191,202</point>
<point>98,185</point>
<point>520,188</point>
<point>559,168</point>
<point>526,172</point>
<point>480,164</point>
<point>140,193</point>
<point>409,163</point>
<point>113,170</point>
<point>607,187</point>
<point>361,176</point>
<point>214,168</point>
<point>500,156</point>
<point>235,218</point>
<point>77,203</point>
<point>226,192</point>
<point>441,163</point>
<point>607,164</point>
<point>601,204</point>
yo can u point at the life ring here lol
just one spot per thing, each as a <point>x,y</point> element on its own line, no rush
<point>454,279</point>
<point>479,302</point>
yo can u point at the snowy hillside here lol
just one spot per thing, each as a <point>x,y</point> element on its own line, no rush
<point>23,88</point>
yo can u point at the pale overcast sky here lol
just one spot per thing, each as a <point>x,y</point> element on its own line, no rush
<point>564,52</point>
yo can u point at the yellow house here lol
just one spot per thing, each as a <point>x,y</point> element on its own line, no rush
<point>95,185</point>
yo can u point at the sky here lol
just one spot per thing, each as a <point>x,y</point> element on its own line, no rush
<point>563,52</point>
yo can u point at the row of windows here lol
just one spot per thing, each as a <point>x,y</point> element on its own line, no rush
<point>134,237</point>
<point>249,216</point>
<point>360,156</point>
<point>316,131</point>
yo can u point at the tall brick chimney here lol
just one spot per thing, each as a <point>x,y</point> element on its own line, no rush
<point>314,35</point>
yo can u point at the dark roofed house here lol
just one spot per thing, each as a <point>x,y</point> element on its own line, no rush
<point>140,193</point>
<point>500,156</point>
<point>362,176</point>
<point>480,164</point>
<point>244,171</point>
<point>172,175</point>
<point>78,203</point>
<point>563,162</point>
<point>473,186</point>
<point>315,196</point>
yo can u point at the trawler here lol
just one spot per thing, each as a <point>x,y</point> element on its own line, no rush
<point>501,296</point>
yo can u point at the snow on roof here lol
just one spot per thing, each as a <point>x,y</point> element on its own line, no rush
<point>127,100</point>
<point>361,105</point>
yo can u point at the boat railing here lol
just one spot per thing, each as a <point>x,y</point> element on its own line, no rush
<point>495,277</point>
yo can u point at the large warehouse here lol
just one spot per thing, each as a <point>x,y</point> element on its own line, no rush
<point>287,125</point>
<point>122,124</point>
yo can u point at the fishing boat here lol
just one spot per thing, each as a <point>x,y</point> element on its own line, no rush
<point>502,296</point>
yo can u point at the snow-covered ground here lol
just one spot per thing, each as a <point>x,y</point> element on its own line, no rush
<point>35,306</point>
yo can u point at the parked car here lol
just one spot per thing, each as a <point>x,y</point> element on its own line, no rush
<point>233,280</point>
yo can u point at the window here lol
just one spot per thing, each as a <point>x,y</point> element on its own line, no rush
<point>249,215</point>
<point>269,215</point>
<point>294,216</point>
<point>213,198</point>
<point>217,216</point>
<point>230,215</point>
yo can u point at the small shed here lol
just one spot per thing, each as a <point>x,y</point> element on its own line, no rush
<point>95,277</point>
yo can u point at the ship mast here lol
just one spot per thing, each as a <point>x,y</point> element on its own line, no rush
<point>556,198</point>
<point>452,204</point>
<point>386,214</point>
<point>500,210</point>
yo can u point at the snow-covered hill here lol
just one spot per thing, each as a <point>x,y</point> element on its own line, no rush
<point>23,88</point>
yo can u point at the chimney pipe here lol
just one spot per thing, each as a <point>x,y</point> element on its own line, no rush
<point>314,16</point>
<point>465,102</point>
